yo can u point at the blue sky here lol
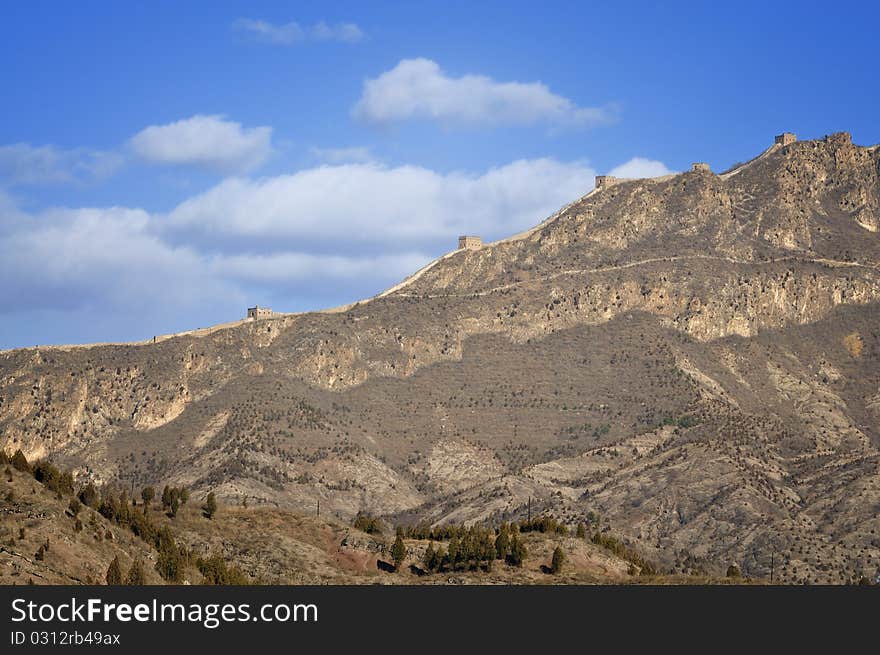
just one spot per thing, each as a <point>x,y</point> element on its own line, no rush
<point>163,166</point>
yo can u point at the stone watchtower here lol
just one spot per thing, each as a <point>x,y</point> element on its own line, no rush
<point>469,243</point>
<point>257,312</point>
<point>701,167</point>
<point>786,138</point>
<point>604,181</point>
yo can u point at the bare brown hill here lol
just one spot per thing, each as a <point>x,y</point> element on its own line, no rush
<point>695,358</point>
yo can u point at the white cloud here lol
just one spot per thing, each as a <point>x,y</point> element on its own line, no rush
<point>99,257</point>
<point>205,141</point>
<point>299,267</point>
<point>24,164</point>
<point>419,89</point>
<point>639,167</point>
<point>356,155</point>
<point>346,32</point>
<point>293,32</point>
<point>354,205</point>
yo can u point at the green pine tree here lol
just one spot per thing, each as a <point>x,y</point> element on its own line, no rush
<point>136,574</point>
<point>430,560</point>
<point>557,561</point>
<point>517,551</point>
<point>398,551</point>
<point>114,572</point>
<point>147,494</point>
<point>210,507</point>
<point>502,541</point>
<point>166,497</point>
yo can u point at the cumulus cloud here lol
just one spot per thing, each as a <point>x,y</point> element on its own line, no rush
<point>361,205</point>
<point>210,142</point>
<point>24,164</point>
<point>295,268</point>
<point>292,32</point>
<point>420,89</point>
<point>639,167</point>
<point>97,257</point>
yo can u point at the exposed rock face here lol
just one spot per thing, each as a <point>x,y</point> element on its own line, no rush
<point>695,357</point>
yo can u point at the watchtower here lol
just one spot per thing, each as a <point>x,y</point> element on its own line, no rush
<point>257,312</point>
<point>469,243</point>
<point>786,138</point>
<point>701,167</point>
<point>604,181</point>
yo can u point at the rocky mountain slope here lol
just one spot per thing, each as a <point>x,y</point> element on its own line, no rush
<point>43,542</point>
<point>695,358</point>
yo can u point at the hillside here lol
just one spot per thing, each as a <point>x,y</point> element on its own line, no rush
<point>694,358</point>
<point>268,545</point>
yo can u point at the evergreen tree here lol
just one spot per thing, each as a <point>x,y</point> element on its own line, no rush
<point>166,497</point>
<point>430,560</point>
<point>453,551</point>
<point>581,531</point>
<point>557,561</point>
<point>210,507</point>
<point>398,551</point>
<point>184,495</point>
<point>502,541</point>
<point>440,558</point>
<point>136,574</point>
<point>147,494</point>
<point>517,551</point>
<point>170,561</point>
<point>114,572</point>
